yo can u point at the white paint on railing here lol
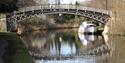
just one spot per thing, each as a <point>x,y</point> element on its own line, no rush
<point>66,6</point>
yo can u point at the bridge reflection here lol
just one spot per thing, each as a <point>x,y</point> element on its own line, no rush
<point>65,46</point>
<point>87,39</point>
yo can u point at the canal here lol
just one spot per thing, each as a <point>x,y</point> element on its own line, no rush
<point>61,46</point>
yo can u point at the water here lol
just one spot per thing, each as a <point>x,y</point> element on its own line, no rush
<point>65,46</point>
<point>61,46</point>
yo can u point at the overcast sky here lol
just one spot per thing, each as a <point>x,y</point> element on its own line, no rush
<point>68,1</point>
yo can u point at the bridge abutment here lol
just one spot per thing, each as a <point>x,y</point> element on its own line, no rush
<point>3,25</point>
<point>12,26</point>
<point>116,24</point>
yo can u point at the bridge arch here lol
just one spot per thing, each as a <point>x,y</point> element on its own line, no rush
<point>99,15</point>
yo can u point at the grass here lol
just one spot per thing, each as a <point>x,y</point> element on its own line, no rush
<point>16,52</point>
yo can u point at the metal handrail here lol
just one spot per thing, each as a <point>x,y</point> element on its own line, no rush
<point>61,6</point>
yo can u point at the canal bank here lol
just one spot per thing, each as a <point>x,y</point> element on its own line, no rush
<point>12,49</point>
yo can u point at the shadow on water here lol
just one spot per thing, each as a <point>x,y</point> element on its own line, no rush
<point>12,49</point>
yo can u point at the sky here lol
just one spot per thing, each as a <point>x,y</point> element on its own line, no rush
<point>68,1</point>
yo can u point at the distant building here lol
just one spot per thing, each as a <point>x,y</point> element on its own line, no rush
<point>40,2</point>
<point>55,1</point>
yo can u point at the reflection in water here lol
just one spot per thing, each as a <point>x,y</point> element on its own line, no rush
<point>77,60</point>
<point>53,43</point>
<point>64,47</point>
<point>86,39</point>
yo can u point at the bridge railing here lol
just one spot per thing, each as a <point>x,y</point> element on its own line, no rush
<point>63,6</point>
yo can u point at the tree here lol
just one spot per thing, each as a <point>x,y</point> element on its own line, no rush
<point>57,2</point>
<point>76,3</point>
<point>8,5</point>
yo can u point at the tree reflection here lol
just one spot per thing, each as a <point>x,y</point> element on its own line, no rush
<point>63,45</point>
<point>52,44</point>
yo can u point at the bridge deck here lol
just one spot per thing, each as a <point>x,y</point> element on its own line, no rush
<point>63,6</point>
<point>98,15</point>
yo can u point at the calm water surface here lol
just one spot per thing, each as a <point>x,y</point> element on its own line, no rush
<point>66,46</point>
<point>62,46</point>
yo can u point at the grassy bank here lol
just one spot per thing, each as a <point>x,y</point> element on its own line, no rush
<point>15,52</point>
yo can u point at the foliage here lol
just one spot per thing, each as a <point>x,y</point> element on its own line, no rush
<point>76,3</point>
<point>16,52</point>
<point>8,5</point>
<point>66,18</point>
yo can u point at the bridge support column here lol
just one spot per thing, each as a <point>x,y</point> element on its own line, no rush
<point>3,26</point>
<point>116,23</point>
<point>11,26</point>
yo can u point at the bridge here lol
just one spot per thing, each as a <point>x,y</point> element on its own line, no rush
<point>16,17</point>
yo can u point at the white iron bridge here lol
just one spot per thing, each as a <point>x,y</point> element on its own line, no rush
<point>99,15</point>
